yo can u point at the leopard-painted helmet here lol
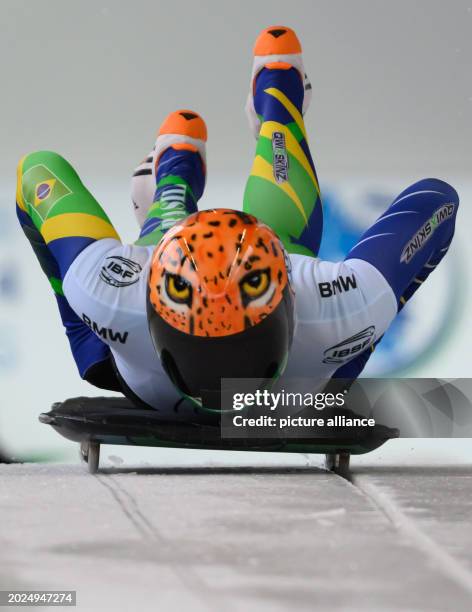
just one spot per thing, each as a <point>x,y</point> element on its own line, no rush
<point>220,304</point>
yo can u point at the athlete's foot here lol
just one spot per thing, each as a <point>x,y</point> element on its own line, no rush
<point>181,130</point>
<point>275,48</point>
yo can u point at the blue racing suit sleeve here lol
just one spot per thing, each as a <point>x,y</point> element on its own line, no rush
<point>406,244</point>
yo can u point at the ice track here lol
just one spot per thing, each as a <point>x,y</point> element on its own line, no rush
<point>240,538</point>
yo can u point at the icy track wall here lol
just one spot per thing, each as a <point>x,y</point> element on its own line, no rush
<point>431,338</point>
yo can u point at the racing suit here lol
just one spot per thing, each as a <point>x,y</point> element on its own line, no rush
<point>342,309</point>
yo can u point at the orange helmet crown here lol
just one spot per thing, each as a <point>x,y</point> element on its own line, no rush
<point>217,273</point>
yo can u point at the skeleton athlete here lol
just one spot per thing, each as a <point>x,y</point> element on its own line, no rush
<point>223,293</point>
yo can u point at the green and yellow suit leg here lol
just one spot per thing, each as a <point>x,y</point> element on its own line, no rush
<point>282,189</point>
<point>61,218</point>
<point>180,181</point>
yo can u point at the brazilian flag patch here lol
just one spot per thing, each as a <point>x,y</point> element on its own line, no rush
<point>42,189</point>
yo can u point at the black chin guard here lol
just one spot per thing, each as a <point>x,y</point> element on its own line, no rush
<point>196,364</point>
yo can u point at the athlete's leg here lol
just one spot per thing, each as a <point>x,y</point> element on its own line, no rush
<point>282,189</point>
<point>409,240</point>
<point>168,184</point>
<point>60,218</point>
<point>407,243</point>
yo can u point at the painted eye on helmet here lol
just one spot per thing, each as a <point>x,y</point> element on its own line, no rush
<point>255,284</point>
<point>178,289</point>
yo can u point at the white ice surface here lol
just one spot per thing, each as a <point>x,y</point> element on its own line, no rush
<point>240,538</point>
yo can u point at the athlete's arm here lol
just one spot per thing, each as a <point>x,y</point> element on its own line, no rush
<point>345,306</point>
<point>406,244</point>
<point>60,219</point>
<point>52,200</point>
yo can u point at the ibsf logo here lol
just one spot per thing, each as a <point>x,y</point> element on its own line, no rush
<point>417,242</point>
<point>280,157</point>
<point>349,348</point>
<point>120,272</point>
